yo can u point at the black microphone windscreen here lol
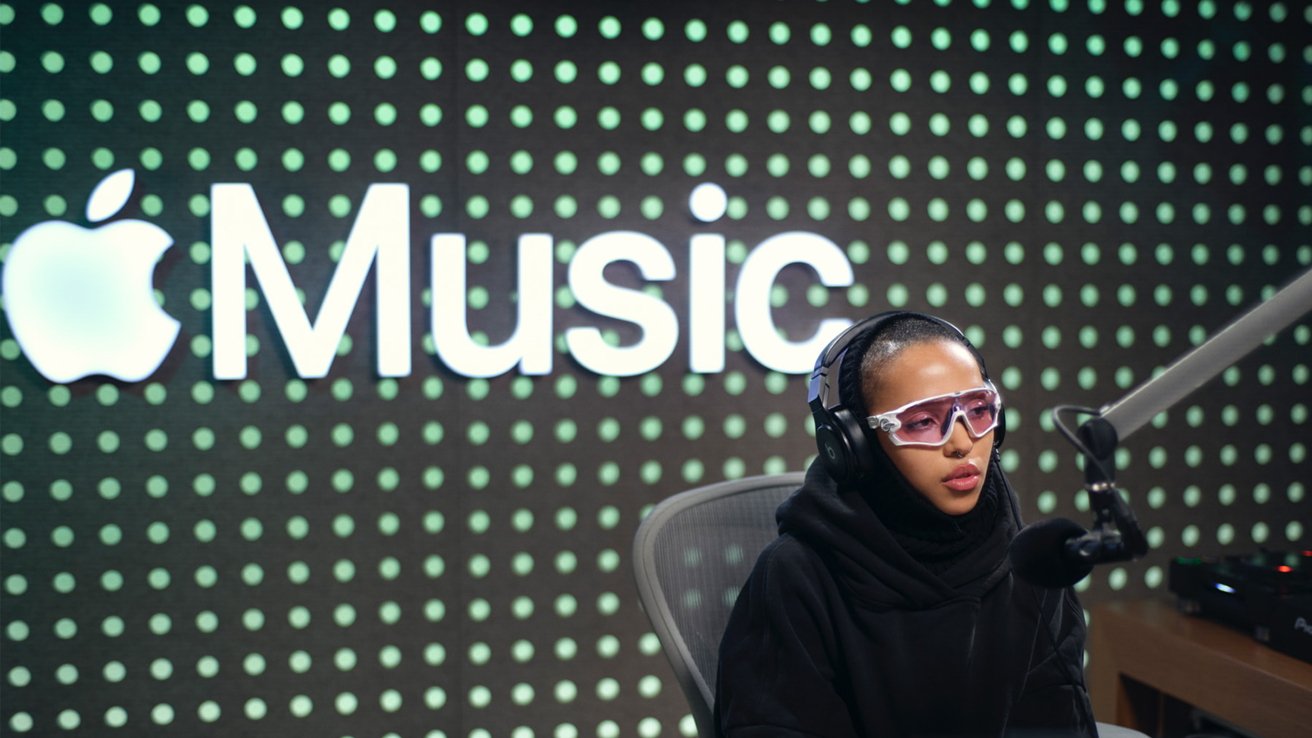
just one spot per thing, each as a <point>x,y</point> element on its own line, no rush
<point>1038,554</point>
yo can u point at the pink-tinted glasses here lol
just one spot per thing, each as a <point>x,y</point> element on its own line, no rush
<point>929,422</point>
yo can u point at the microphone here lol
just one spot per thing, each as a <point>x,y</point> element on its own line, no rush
<point>1047,553</point>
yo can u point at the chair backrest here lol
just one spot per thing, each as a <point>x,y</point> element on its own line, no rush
<point>691,555</point>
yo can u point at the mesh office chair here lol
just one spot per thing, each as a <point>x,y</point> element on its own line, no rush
<point>690,557</point>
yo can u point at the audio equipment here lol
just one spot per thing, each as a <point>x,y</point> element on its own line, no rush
<point>1268,593</point>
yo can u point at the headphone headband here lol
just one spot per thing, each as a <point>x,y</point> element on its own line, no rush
<point>825,376</point>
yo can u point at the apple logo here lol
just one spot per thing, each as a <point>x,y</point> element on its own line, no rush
<point>80,301</point>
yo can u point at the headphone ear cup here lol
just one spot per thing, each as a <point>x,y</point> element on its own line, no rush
<point>834,451</point>
<point>842,445</point>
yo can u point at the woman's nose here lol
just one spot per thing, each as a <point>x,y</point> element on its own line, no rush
<point>959,440</point>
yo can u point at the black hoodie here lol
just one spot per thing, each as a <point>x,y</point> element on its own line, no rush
<point>841,631</point>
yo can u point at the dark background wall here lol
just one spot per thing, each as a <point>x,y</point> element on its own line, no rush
<point>1090,189</point>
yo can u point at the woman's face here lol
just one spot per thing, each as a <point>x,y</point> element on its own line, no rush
<point>949,476</point>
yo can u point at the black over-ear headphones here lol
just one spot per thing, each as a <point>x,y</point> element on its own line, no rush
<point>839,433</point>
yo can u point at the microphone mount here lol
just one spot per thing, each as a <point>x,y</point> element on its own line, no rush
<point>1115,535</point>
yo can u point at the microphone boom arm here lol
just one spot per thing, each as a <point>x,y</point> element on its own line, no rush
<point>1209,359</point>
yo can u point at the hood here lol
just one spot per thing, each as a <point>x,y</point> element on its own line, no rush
<point>874,558</point>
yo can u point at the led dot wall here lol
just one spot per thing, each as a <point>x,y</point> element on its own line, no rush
<point>307,520</point>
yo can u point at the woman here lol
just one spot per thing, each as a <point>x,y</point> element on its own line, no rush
<point>886,606</point>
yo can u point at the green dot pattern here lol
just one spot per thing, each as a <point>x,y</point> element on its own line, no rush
<point>1088,189</point>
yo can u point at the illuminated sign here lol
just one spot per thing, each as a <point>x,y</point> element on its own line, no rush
<point>80,302</point>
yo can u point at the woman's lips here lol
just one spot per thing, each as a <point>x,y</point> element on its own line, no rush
<point>963,479</point>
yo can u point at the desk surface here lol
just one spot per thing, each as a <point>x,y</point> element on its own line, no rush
<point>1214,667</point>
